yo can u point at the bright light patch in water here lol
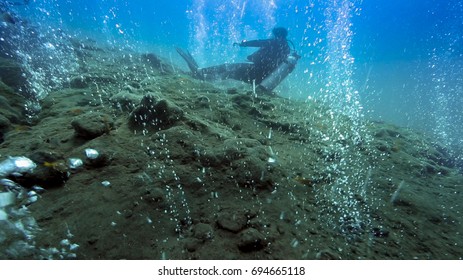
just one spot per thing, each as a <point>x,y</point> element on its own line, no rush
<point>49,46</point>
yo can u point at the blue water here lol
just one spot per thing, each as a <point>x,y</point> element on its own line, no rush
<point>405,57</point>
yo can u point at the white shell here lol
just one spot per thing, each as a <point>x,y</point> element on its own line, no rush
<point>16,165</point>
<point>75,163</point>
<point>31,194</point>
<point>10,184</point>
<point>3,215</point>
<point>6,198</point>
<point>65,242</point>
<point>38,189</point>
<point>91,153</point>
<point>32,199</point>
<point>23,164</point>
<point>73,246</point>
<point>72,256</point>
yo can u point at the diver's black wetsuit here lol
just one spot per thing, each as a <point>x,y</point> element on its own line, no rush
<point>271,53</point>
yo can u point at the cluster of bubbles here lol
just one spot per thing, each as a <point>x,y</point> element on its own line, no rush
<point>347,139</point>
<point>343,202</point>
<point>216,25</point>
<point>18,236</point>
<point>445,66</point>
<point>44,52</point>
<point>47,60</point>
<point>17,233</point>
<point>446,115</point>
<point>178,207</point>
<point>18,228</point>
<point>438,82</point>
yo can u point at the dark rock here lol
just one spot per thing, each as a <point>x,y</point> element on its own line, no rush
<point>157,63</point>
<point>381,133</point>
<point>191,244</point>
<point>402,202</point>
<point>429,169</point>
<point>155,197</point>
<point>91,125</point>
<point>154,113</point>
<point>128,214</point>
<point>51,171</point>
<point>231,220</point>
<point>285,126</point>
<point>207,159</point>
<point>203,232</point>
<point>100,160</point>
<point>92,240</point>
<point>251,240</point>
<point>41,157</point>
<point>242,147</point>
<point>242,100</point>
<point>267,106</point>
<point>125,100</point>
<point>247,162</point>
<point>383,147</point>
<point>203,102</point>
<point>255,112</point>
<point>251,172</point>
<point>386,132</point>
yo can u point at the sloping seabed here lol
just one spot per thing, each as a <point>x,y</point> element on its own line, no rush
<point>190,170</point>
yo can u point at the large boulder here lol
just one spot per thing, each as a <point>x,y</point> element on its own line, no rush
<point>92,124</point>
<point>156,113</point>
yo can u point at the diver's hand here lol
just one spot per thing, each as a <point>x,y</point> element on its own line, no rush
<point>240,44</point>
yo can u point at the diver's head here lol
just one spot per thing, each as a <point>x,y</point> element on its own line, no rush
<point>280,32</point>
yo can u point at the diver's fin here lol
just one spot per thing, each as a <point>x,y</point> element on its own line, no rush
<point>194,68</point>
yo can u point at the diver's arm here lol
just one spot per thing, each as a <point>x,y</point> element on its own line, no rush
<point>255,43</point>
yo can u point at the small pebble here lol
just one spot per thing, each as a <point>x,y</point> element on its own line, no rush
<point>91,153</point>
<point>65,242</point>
<point>75,163</point>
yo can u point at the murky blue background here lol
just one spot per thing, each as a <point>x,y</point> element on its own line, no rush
<point>407,55</point>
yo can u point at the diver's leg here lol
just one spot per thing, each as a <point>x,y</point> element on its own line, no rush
<point>236,71</point>
<point>186,55</point>
<point>214,72</point>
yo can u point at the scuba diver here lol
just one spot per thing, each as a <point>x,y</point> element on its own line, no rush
<point>267,67</point>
